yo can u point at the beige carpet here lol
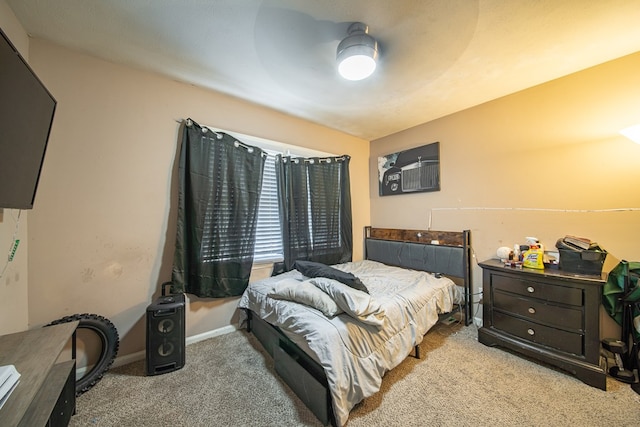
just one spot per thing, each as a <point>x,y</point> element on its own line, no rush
<point>230,381</point>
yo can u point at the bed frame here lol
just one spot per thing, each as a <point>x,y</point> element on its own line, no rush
<point>443,252</point>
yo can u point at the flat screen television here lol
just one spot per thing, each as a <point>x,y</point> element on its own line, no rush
<point>26,116</point>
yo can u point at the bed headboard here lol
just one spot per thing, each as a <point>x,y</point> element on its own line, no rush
<point>444,252</point>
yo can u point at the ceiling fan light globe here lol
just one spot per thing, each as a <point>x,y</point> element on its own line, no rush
<point>357,67</point>
<point>357,54</point>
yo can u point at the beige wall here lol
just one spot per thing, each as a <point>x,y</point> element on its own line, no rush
<point>544,150</point>
<point>14,307</point>
<point>102,235</point>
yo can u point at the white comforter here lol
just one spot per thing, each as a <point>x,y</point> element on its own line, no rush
<point>354,355</point>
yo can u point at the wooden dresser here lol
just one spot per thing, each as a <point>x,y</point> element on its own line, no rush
<point>45,395</point>
<point>548,315</point>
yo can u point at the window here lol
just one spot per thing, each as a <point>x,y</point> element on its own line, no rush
<point>268,245</point>
<point>268,236</point>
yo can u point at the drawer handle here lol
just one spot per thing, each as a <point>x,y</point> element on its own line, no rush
<point>530,289</point>
<point>531,332</point>
<point>532,310</point>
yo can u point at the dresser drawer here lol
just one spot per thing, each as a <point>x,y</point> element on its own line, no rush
<point>565,317</point>
<point>544,335</point>
<point>546,292</point>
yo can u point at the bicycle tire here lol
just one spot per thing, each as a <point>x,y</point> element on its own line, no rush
<point>110,341</point>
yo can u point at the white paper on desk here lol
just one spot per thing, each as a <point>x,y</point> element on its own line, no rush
<point>9,378</point>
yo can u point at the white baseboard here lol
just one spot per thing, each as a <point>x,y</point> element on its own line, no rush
<point>211,334</point>
<point>140,355</point>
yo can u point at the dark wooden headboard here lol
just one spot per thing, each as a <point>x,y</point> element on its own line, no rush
<point>445,252</point>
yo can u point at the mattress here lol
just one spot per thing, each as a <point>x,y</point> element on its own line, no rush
<point>356,349</point>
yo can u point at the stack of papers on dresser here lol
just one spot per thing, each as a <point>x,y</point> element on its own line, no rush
<point>9,379</point>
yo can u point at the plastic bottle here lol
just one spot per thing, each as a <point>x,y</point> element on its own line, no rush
<point>533,258</point>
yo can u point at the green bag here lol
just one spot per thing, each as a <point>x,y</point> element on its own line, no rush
<point>614,290</point>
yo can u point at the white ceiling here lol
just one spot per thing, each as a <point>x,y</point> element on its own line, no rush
<point>436,56</point>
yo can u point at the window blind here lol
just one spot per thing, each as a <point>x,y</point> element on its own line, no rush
<point>268,235</point>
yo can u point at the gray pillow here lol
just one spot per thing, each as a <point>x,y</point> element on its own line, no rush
<point>357,304</point>
<point>305,293</point>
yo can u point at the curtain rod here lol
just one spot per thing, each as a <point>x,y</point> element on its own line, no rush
<point>219,135</point>
<point>189,123</point>
<point>312,160</point>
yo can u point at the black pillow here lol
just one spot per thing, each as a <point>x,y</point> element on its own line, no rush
<point>316,269</point>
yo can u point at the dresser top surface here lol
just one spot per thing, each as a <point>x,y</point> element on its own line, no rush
<point>496,264</point>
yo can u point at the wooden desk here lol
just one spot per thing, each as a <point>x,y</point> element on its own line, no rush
<point>46,391</point>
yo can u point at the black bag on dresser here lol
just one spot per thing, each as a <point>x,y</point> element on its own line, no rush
<point>581,260</point>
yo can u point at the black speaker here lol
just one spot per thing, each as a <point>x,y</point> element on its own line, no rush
<point>165,334</point>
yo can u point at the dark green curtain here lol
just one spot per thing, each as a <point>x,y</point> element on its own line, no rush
<point>220,181</point>
<point>315,210</point>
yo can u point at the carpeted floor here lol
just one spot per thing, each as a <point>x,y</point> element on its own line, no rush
<point>230,381</point>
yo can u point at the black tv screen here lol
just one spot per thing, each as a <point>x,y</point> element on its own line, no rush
<point>26,115</point>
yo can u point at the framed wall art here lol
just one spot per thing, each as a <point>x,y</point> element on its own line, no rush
<point>410,171</point>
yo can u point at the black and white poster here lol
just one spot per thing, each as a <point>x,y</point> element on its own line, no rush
<point>410,171</point>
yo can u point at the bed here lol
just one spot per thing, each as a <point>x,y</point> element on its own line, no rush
<point>334,352</point>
